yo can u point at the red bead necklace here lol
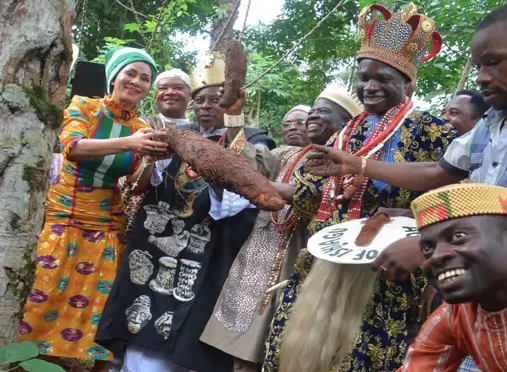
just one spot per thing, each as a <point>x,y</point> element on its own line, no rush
<point>382,132</point>
<point>292,220</point>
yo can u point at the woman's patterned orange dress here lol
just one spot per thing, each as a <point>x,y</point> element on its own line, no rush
<point>83,235</point>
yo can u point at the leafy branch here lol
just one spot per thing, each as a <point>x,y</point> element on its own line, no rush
<point>132,9</point>
<point>159,17</point>
<point>297,44</point>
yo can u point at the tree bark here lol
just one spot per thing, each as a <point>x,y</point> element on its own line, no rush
<point>221,33</point>
<point>35,57</point>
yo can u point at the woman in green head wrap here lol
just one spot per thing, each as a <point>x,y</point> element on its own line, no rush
<point>83,236</point>
<point>130,74</point>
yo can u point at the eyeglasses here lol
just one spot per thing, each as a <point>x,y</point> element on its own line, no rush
<point>297,123</point>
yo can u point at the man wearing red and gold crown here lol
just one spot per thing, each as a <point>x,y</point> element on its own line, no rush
<point>341,317</point>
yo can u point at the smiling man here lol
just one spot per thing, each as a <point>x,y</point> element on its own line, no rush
<point>464,242</point>
<point>388,129</point>
<point>294,131</point>
<point>479,155</point>
<point>244,310</point>
<point>464,110</point>
<point>173,95</point>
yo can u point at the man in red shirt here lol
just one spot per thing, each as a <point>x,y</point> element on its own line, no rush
<point>464,242</point>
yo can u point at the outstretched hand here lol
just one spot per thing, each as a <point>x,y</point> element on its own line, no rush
<point>237,107</point>
<point>328,161</point>
<point>145,142</point>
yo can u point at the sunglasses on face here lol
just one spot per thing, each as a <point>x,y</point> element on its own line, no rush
<point>297,123</point>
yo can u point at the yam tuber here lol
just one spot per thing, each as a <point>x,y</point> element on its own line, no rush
<point>371,228</point>
<point>223,168</point>
<point>235,73</point>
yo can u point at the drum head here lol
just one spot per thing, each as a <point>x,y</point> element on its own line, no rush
<point>337,243</point>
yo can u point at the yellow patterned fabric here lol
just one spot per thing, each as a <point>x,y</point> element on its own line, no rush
<point>83,236</point>
<point>399,40</point>
<point>460,200</point>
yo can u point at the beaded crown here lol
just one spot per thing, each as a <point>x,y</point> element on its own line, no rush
<point>400,40</point>
<point>211,74</point>
<point>460,200</point>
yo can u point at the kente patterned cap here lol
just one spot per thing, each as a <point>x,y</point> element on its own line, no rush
<point>400,40</point>
<point>211,74</point>
<point>344,98</point>
<point>460,200</point>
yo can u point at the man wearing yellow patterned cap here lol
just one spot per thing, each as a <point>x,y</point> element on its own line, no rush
<point>389,129</point>
<point>464,242</point>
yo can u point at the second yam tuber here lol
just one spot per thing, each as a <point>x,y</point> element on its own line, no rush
<point>235,73</point>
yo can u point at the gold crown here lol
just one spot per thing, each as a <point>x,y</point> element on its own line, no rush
<point>460,200</point>
<point>211,74</point>
<point>400,40</point>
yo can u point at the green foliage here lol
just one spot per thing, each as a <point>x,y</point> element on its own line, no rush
<point>23,355</point>
<point>276,93</point>
<point>155,33</point>
<point>328,54</point>
<point>37,365</point>
<point>326,57</point>
<point>108,19</point>
<point>18,352</point>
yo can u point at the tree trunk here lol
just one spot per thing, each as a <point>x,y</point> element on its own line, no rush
<point>35,57</point>
<point>222,27</point>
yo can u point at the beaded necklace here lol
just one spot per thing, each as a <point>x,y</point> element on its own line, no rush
<point>291,221</point>
<point>372,149</point>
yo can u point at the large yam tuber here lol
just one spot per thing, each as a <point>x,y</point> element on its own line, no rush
<point>221,167</point>
<point>235,73</point>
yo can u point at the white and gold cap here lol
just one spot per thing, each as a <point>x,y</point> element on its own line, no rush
<point>344,98</point>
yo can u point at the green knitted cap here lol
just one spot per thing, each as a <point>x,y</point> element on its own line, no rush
<point>117,59</point>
